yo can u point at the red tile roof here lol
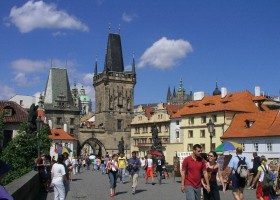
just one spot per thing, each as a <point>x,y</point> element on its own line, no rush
<point>264,124</point>
<point>19,114</point>
<point>238,101</point>
<point>172,109</point>
<point>59,134</point>
<point>149,111</point>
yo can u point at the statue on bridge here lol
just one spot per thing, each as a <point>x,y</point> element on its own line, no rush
<point>32,116</point>
<point>156,140</point>
<point>121,146</point>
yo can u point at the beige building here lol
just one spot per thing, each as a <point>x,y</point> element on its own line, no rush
<point>141,126</point>
<point>221,109</point>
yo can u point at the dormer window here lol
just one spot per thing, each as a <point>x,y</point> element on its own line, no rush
<point>249,123</point>
<point>8,112</point>
<point>56,134</point>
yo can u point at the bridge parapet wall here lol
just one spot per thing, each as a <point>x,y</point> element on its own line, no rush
<point>26,187</point>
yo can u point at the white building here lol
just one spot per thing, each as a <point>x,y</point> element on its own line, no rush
<point>256,132</point>
<point>24,100</point>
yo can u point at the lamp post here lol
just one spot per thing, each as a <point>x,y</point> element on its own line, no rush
<point>39,124</point>
<point>210,126</point>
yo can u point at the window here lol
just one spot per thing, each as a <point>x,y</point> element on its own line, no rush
<point>165,140</point>
<point>243,146</point>
<point>214,118</point>
<point>159,128</point>
<point>256,146</point>
<point>139,118</point>
<point>269,147</point>
<point>177,134</point>
<point>21,102</point>
<point>71,131</point>
<point>137,130</point>
<point>119,124</point>
<point>190,147</point>
<point>150,140</point>
<point>191,120</point>
<point>8,112</point>
<point>144,129</point>
<point>203,119</point>
<point>202,133</point>
<point>72,120</point>
<point>160,116</point>
<point>190,134</point>
<point>203,146</point>
<point>166,128</point>
<point>66,144</point>
<point>177,122</point>
<point>58,120</point>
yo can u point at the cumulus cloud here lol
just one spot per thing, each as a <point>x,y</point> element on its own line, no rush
<point>128,17</point>
<point>88,78</point>
<point>165,53</point>
<point>6,92</point>
<point>38,14</point>
<point>21,79</point>
<point>58,33</point>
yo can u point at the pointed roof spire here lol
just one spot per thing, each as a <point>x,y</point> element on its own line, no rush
<point>41,101</point>
<point>109,24</point>
<point>114,57</point>
<point>191,92</point>
<point>168,93</point>
<point>119,29</point>
<point>181,87</point>
<point>174,92</point>
<point>133,63</point>
<point>95,69</point>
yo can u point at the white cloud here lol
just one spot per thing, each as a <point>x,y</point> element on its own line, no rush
<point>21,79</point>
<point>88,78</point>
<point>38,14</point>
<point>6,92</point>
<point>29,66</point>
<point>128,17</point>
<point>165,53</point>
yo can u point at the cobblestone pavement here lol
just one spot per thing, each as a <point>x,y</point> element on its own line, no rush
<point>89,185</point>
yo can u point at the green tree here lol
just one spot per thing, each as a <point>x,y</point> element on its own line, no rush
<point>21,152</point>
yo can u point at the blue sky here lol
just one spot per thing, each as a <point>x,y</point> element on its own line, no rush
<point>234,42</point>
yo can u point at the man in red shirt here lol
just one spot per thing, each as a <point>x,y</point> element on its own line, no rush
<point>192,168</point>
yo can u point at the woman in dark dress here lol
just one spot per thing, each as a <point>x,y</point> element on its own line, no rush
<point>213,168</point>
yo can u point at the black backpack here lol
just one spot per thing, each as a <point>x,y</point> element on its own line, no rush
<point>242,169</point>
<point>267,180</point>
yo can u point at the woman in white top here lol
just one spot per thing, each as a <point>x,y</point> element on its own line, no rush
<point>58,175</point>
<point>260,192</point>
<point>149,169</point>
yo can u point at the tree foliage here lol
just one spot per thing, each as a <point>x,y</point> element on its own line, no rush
<point>21,152</point>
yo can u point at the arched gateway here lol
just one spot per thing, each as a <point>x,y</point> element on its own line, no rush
<point>97,147</point>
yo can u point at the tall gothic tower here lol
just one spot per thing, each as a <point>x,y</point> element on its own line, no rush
<point>114,92</point>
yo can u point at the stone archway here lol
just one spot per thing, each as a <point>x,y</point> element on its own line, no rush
<point>96,145</point>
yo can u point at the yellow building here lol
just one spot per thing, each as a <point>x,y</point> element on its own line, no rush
<point>145,117</point>
<point>220,109</point>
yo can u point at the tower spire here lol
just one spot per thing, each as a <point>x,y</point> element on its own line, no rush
<point>95,69</point>
<point>133,63</point>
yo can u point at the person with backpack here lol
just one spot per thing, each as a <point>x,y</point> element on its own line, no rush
<point>239,172</point>
<point>263,179</point>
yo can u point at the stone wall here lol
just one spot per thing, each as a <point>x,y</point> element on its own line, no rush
<point>26,187</point>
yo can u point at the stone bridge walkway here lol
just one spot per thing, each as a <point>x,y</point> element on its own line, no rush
<point>89,185</point>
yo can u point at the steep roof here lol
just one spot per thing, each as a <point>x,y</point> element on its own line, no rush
<point>259,124</point>
<point>18,114</point>
<point>149,111</point>
<point>172,109</point>
<point>58,90</point>
<point>59,134</point>
<point>114,57</point>
<point>238,101</point>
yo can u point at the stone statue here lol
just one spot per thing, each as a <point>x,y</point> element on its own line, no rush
<point>154,133</point>
<point>32,116</point>
<point>157,145</point>
<point>121,146</point>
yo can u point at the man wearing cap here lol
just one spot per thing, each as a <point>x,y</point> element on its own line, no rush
<point>4,168</point>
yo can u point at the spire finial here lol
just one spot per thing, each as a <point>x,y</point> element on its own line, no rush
<point>119,29</point>
<point>109,27</point>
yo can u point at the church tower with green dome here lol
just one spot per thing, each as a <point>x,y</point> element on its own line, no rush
<point>85,102</point>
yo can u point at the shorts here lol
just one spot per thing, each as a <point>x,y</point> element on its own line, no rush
<point>237,182</point>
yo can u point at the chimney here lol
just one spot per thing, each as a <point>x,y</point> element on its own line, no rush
<point>65,127</point>
<point>197,96</point>
<point>224,92</point>
<point>257,91</point>
<point>50,124</point>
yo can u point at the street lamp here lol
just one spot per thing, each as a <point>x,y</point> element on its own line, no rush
<point>39,124</point>
<point>210,126</point>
